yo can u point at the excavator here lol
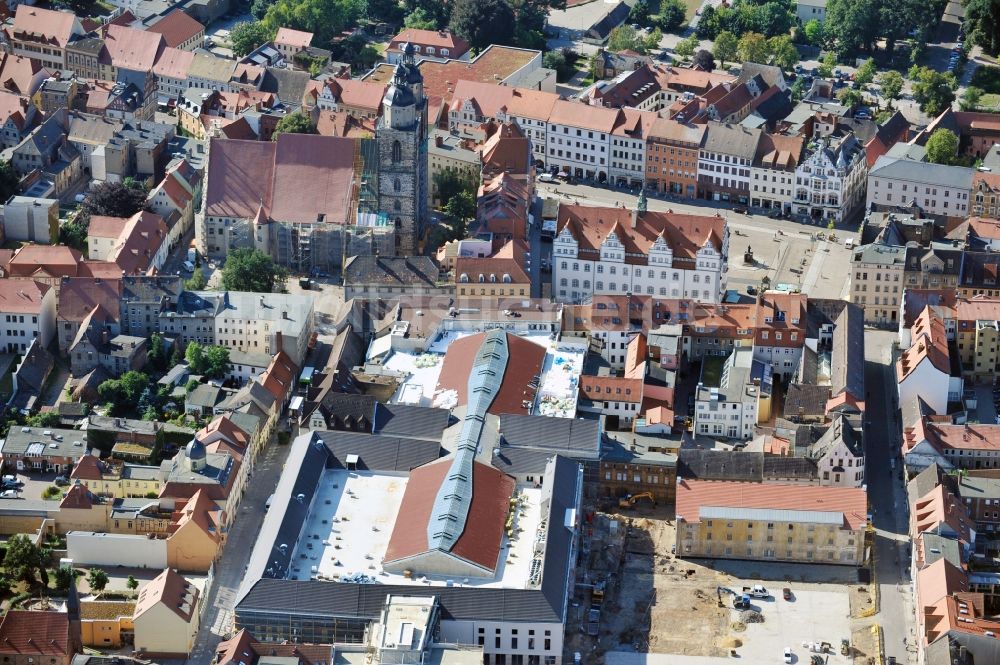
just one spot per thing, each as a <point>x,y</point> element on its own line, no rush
<point>629,500</point>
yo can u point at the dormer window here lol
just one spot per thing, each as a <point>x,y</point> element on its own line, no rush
<point>464,278</point>
<point>430,50</point>
<point>416,48</point>
<point>445,52</point>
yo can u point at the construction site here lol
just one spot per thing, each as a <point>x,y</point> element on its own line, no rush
<point>634,596</point>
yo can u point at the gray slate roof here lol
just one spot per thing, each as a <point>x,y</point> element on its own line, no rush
<point>391,271</point>
<point>573,437</point>
<point>938,175</point>
<point>847,361</point>
<point>377,452</point>
<point>731,140</point>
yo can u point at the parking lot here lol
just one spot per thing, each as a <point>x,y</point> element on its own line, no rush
<point>35,484</point>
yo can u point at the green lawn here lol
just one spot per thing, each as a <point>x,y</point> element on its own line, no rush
<point>711,370</point>
<point>990,102</point>
<point>692,7</point>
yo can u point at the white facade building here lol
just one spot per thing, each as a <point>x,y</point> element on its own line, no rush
<point>27,312</point>
<point>578,139</point>
<point>937,189</point>
<point>830,182</point>
<point>729,410</point>
<point>617,251</point>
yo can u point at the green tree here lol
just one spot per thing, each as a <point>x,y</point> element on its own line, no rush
<point>752,47</point>
<point>252,270</point>
<point>982,21</point>
<point>23,559</point>
<point>708,23</point>
<point>245,36</point>
<point>74,233</point>
<point>866,72</point>
<point>942,147</point>
<point>672,15</point>
<point>639,13</point>
<point>177,355</point>
<point>64,577</point>
<point>483,22</point>
<point>852,24</point>
<point>389,11</point>
<point>451,182</point>
<point>198,281</point>
<point>725,47</point>
<point>125,391</point>
<point>216,361</point>
<point>782,52</point>
<point>827,64</point>
<point>132,584</point>
<point>814,32</point>
<point>191,385</point>
<point>420,20</point>
<point>891,83</point>
<point>971,98</point>
<point>799,89</point>
<point>850,98</point>
<point>686,47</point>
<point>324,18</point>
<point>932,90</point>
<point>294,123</point>
<point>194,354</point>
<point>97,580</point>
<point>9,181</point>
<point>703,60</point>
<point>115,199</point>
<point>157,354</point>
<point>652,41</point>
<point>625,38</point>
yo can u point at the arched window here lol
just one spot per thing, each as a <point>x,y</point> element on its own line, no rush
<point>399,223</point>
<point>397,186</point>
<point>464,278</point>
<point>397,152</point>
<point>482,278</point>
<point>506,278</point>
<point>493,279</point>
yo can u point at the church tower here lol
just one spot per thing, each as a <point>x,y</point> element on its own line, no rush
<point>402,154</point>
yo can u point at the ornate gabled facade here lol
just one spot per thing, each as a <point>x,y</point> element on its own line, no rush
<point>616,251</point>
<point>830,182</point>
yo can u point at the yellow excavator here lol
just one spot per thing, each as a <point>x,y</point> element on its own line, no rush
<point>629,500</point>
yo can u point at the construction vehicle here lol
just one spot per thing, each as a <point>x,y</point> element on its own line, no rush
<point>741,601</point>
<point>629,500</point>
<point>597,594</point>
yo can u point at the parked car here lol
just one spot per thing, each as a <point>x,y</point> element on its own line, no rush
<point>788,654</point>
<point>786,593</point>
<point>9,494</point>
<point>751,290</point>
<point>61,481</point>
<point>546,177</point>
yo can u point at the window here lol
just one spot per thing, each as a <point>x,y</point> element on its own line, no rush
<point>397,153</point>
<point>396,185</point>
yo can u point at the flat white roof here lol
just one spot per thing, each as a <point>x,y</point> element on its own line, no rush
<point>558,388</point>
<point>347,532</point>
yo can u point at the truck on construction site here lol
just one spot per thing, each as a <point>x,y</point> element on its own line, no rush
<point>756,591</point>
<point>741,601</point>
<point>597,594</point>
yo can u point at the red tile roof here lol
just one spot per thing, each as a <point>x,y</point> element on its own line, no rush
<point>79,296</point>
<point>55,27</point>
<point>692,495</point>
<point>22,296</point>
<point>684,234</point>
<point>298,178</point>
<point>584,116</point>
<point>130,48</point>
<point>77,497</point>
<point>524,362</point>
<point>484,527</point>
<point>173,63</point>
<point>299,39</point>
<point>438,39</point>
<point>930,342</point>
<point>17,73</point>
<point>52,260</point>
<point>357,93</point>
<point>24,633</point>
<point>176,28</point>
<point>492,99</point>
<point>173,591</point>
<point>102,226</point>
<point>611,388</point>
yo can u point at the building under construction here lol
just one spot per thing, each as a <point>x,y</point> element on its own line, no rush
<point>307,201</point>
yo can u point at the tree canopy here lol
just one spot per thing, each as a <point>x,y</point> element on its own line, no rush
<point>9,180</point>
<point>97,580</point>
<point>294,123</point>
<point>23,559</point>
<point>982,22</point>
<point>672,15</point>
<point>115,199</point>
<point>211,360</point>
<point>245,36</point>
<point>942,147</point>
<point>770,18</point>
<point>324,18</point>
<point>252,270</point>
<point>124,391</point>
<point>725,47</point>
<point>483,22</point>
<point>932,90</point>
<point>704,60</point>
<point>891,83</point>
<point>627,38</point>
<point>853,25</point>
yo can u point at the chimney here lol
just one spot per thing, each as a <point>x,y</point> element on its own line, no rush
<point>439,141</point>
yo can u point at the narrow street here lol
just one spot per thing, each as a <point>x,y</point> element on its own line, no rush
<point>217,620</point>
<point>887,498</point>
